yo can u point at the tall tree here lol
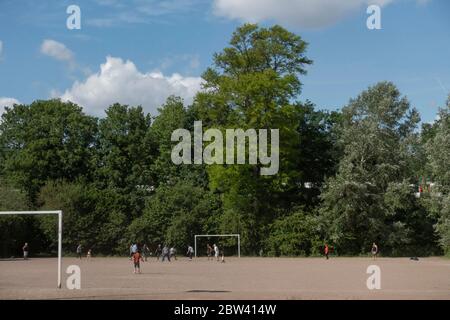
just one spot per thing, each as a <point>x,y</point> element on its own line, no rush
<point>124,158</point>
<point>15,230</point>
<point>172,116</point>
<point>438,150</point>
<point>376,135</point>
<point>46,140</point>
<point>174,214</point>
<point>251,85</point>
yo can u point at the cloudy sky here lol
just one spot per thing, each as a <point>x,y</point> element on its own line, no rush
<point>138,52</point>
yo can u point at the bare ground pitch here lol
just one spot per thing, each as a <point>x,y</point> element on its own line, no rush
<point>244,278</point>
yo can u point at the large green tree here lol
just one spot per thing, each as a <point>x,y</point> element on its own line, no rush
<point>378,137</point>
<point>46,140</point>
<point>15,230</point>
<point>175,214</point>
<point>172,116</point>
<point>125,154</point>
<point>438,151</point>
<point>251,85</point>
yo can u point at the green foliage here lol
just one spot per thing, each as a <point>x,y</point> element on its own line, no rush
<point>124,157</point>
<point>12,199</point>
<point>175,214</point>
<point>409,226</point>
<point>363,203</point>
<point>78,204</point>
<point>45,140</point>
<point>443,227</point>
<point>251,85</point>
<point>294,234</point>
<point>438,150</point>
<point>16,230</point>
<point>172,116</point>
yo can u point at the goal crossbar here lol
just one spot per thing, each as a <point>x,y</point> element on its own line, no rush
<point>57,212</point>
<point>217,235</point>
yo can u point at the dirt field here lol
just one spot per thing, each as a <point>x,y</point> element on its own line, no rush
<point>244,278</point>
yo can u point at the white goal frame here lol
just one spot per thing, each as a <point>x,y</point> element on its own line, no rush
<point>217,235</point>
<point>60,215</point>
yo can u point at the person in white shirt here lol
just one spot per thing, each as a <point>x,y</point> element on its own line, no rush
<point>172,253</point>
<point>190,252</point>
<point>216,252</point>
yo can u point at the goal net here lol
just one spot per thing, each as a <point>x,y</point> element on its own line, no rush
<point>229,244</point>
<point>19,246</point>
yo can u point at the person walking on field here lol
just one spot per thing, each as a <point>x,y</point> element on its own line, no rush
<point>158,252</point>
<point>137,258</point>
<point>173,253</point>
<point>326,251</point>
<point>25,250</point>
<point>165,254</point>
<point>374,251</point>
<point>209,251</point>
<point>145,251</point>
<point>79,251</point>
<point>190,252</point>
<point>134,248</point>
<point>216,252</point>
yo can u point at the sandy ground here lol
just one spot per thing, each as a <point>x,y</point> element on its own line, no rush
<point>237,278</point>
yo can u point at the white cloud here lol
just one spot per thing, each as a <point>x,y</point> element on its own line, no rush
<point>297,13</point>
<point>58,51</point>
<point>120,81</point>
<point>7,102</point>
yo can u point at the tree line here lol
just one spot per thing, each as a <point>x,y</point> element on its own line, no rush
<point>347,178</point>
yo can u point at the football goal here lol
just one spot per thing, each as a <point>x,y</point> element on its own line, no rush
<point>218,236</point>
<point>57,212</point>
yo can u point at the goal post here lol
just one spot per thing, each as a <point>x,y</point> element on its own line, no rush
<point>238,236</point>
<point>56,212</point>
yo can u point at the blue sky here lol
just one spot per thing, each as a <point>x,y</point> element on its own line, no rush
<point>140,51</point>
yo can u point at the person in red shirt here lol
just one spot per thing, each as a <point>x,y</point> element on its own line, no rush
<point>137,258</point>
<point>326,250</point>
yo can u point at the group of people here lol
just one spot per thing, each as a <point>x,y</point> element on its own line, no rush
<point>164,252</point>
<point>213,251</point>
<point>80,252</point>
<point>141,254</point>
<point>138,255</point>
<point>374,251</point>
